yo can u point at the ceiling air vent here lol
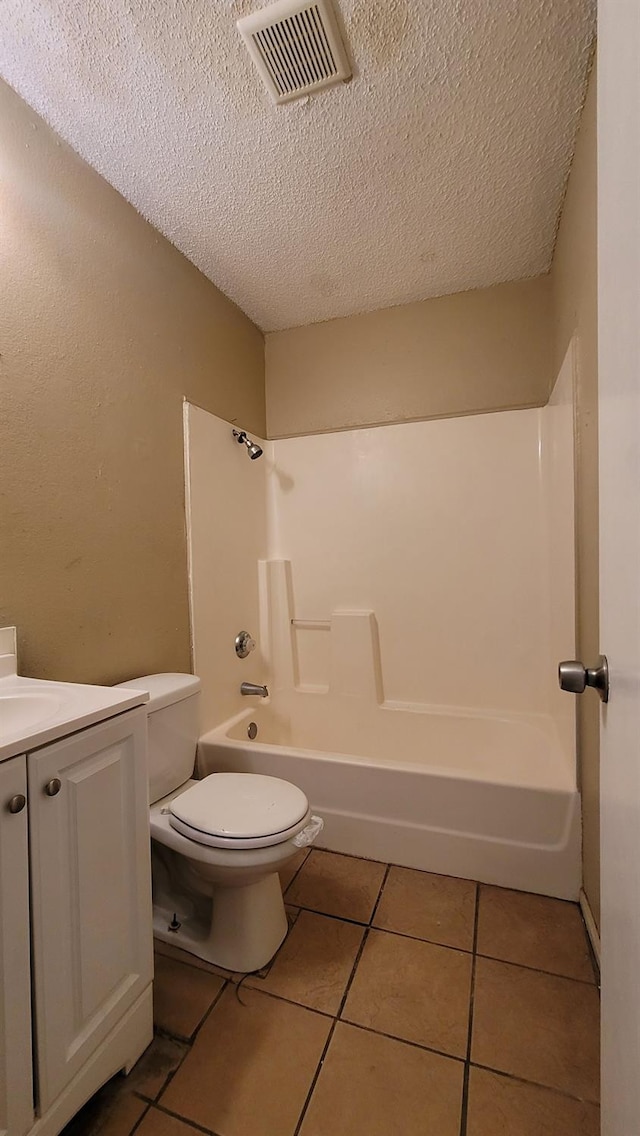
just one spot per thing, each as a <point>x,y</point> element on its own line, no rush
<point>296,47</point>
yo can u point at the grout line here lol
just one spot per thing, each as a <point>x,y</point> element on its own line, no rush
<point>358,1025</point>
<point>297,872</point>
<point>290,1002</point>
<point>591,983</point>
<point>465,1082</point>
<point>444,875</point>
<point>292,913</point>
<point>448,946</point>
<point>141,1096</point>
<point>314,1079</point>
<point>212,1007</point>
<point>402,1040</point>
<point>331,1033</point>
<point>381,889</point>
<point>415,939</point>
<point>534,1084</point>
<point>402,935</point>
<point>379,1033</point>
<point>141,1117</point>
<point>189,1041</point>
<point>329,915</point>
<point>356,963</point>
<point>158,945</point>
<point>192,1038</point>
<point>350,855</point>
<point>476,919</point>
<point>188,1044</point>
<point>185,1120</point>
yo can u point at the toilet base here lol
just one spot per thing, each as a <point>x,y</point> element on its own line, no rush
<point>238,928</point>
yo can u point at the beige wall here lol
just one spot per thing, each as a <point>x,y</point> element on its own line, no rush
<point>104,328</point>
<point>479,351</point>
<point>574,280</point>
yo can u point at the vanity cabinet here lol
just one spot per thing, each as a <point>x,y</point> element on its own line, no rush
<point>16,1079</point>
<point>87,866</point>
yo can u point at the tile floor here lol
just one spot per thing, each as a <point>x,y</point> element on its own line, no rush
<point>400,1003</point>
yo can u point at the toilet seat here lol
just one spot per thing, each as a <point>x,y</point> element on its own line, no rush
<point>239,810</point>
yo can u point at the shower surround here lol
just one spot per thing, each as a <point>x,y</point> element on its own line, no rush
<point>411,589</point>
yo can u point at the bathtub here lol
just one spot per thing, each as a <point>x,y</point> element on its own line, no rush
<point>485,797</point>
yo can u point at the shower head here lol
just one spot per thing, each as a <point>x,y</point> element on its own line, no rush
<point>253,449</point>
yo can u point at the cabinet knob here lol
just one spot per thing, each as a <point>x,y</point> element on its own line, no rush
<point>17,803</point>
<point>53,786</point>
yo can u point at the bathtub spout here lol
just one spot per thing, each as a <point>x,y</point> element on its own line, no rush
<point>254,688</point>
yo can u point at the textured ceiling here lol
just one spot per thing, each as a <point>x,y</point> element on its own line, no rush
<point>440,167</point>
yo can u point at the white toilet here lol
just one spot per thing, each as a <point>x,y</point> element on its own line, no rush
<point>216,844</point>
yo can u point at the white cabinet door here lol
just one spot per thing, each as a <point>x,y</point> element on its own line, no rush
<point>91,891</point>
<point>16,1087</point>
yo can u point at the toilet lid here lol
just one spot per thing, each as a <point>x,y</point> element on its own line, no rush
<point>240,806</point>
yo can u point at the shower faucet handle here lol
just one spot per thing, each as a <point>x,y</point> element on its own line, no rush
<point>244,644</point>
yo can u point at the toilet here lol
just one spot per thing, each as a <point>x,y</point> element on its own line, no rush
<point>218,843</point>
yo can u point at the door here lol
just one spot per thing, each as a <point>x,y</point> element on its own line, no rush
<point>91,891</point>
<point>619,414</point>
<point>16,1086</point>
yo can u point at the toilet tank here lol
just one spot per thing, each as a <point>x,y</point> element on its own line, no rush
<point>172,726</point>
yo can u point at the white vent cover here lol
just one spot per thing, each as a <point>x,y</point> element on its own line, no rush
<point>296,46</point>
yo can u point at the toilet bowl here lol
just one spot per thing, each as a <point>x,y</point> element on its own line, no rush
<point>217,844</point>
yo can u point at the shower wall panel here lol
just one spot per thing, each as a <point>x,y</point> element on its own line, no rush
<point>441,528</point>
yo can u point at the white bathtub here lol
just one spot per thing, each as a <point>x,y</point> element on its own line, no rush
<point>486,798</point>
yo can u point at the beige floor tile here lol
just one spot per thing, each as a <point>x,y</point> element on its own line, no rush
<point>533,930</point>
<point>500,1106</point>
<point>438,908</point>
<point>413,990</point>
<point>168,950</point>
<point>287,874</point>
<point>109,1113</point>
<point>149,1075</point>
<point>374,1086</point>
<point>181,996</point>
<point>314,964</point>
<point>251,1066</point>
<point>537,1026</point>
<point>157,1123</point>
<point>337,885</point>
